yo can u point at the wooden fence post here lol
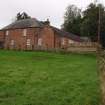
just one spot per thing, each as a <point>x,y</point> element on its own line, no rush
<point>101,62</point>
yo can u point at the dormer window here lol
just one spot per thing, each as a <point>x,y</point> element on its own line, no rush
<point>7,33</point>
<point>25,32</point>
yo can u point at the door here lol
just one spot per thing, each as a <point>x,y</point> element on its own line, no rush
<point>1,45</point>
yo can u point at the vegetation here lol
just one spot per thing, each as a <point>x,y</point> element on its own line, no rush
<point>40,78</point>
<point>72,20</point>
<point>22,16</point>
<point>84,23</point>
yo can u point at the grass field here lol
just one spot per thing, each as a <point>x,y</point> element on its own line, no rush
<point>40,78</point>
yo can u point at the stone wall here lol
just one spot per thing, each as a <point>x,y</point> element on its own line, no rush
<point>82,47</point>
<point>20,41</point>
<point>1,36</point>
<point>49,40</point>
<point>33,34</point>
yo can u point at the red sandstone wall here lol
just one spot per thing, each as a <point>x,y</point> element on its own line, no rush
<point>20,40</point>
<point>58,42</point>
<point>48,37</point>
<point>33,34</point>
<point>1,36</point>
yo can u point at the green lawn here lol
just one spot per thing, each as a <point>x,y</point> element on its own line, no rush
<point>40,78</point>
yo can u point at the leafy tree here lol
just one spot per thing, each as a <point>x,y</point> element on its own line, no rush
<point>18,17</point>
<point>84,23</point>
<point>72,20</point>
<point>90,21</point>
<point>24,15</point>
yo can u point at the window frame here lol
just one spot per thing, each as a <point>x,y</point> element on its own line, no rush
<point>39,41</point>
<point>28,43</point>
<point>24,32</point>
<point>12,42</point>
<point>63,41</point>
<point>7,33</point>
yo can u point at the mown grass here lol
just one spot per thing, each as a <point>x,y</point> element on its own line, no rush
<point>40,78</point>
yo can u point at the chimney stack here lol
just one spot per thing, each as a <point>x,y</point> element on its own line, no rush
<point>47,22</point>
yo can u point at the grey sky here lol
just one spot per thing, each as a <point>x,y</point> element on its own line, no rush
<point>40,9</point>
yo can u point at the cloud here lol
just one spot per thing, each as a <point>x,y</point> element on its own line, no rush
<point>40,9</point>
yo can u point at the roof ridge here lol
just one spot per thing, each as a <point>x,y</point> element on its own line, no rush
<point>32,22</point>
<point>67,34</point>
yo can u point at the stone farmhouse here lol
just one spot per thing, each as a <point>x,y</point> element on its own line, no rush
<point>31,34</point>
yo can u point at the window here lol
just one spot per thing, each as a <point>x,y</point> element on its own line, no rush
<point>7,33</point>
<point>71,41</point>
<point>63,41</point>
<point>25,32</point>
<point>39,41</point>
<point>12,42</point>
<point>28,42</point>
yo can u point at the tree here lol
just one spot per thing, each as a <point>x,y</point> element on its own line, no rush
<point>20,16</point>
<point>72,20</point>
<point>90,21</point>
<point>85,23</point>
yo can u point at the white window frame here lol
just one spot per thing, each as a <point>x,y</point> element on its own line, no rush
<point>63,41</point>
<point>71,41</point>
<point>7,33</point>
<point>28,43</point>
<point>24,32</point>
<point>12,42</point>
<point>40,42</point>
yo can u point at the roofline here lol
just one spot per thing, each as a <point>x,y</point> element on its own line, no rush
<point>65,35</point>
<point>18,28</point>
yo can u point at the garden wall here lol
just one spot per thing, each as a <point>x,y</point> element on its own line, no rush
<point>82,47</point>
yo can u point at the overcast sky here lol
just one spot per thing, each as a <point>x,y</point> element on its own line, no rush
<point>40,9</point>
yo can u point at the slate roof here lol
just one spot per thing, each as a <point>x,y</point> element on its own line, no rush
<point>33,22</point>
<point>25,23</point>
<point>67,34</point>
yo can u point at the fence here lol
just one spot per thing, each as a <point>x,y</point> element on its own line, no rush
<point>82,47</point>
<point>101,62</point>
<point>76,47</point>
